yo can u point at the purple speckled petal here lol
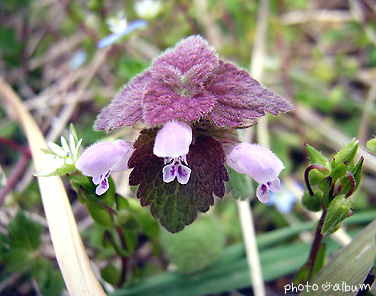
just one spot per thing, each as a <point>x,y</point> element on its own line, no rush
<point>263,193</point>
<point>173,140</point>
<point>240,97</point>
<point>126,107</point>
<point>169,172</point>
<point>183,174</point>
<point>103,187</point>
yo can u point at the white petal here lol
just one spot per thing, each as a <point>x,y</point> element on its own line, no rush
<point>262,193</point>
<point>102,187</point>
<point>97,179</point>
<point>173,140</point>
<point>169,173</point>
<point>183,174</point>
<point>275,185</point>
<point>64,144</point>
<point>56,149</point>
<point>72,144</point>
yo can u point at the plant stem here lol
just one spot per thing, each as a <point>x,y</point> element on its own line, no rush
<point>124,259</point>
<point>315,245</point>
<point>306,174</point>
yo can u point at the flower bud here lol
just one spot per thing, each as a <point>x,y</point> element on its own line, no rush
<point>337,211</point>
<point>312,203</point>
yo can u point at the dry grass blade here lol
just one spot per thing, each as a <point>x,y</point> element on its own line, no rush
<point>70,253</point>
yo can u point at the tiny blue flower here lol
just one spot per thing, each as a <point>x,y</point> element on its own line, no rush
<point>119,27</point>
<point>78,59</point>
<point>284,200</point>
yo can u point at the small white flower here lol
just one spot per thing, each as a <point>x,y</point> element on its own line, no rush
<point>147,9</point>
<point>61,159</point>
<point>117,24</point>
<point>119,27</point>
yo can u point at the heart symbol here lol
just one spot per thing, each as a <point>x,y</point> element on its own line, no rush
<point>326,286</point>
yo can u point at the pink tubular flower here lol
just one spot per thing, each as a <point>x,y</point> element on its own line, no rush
<point>103,158</point>
<point>172,143</point>
<point>260,163</point>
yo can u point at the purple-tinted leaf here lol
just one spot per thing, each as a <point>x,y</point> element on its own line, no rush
<point>240,97</point>
<point>162,104</point>
<point>188,53</point>
<point>173,204</point>
<point>126,108</point>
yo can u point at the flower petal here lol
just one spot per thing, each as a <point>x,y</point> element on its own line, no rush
<point>65,146</point>
<point>169,173</point>
<point>274,185</point>
<point>183,174</point>
<point>173,140</point>
<point>102,187</point>
<point>262,193</point>
<point>256,161</point>
<point>57,149</point>
<point>104,156</point>
<point>108,40</point>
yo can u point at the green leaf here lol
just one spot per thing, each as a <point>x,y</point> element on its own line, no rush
<point>320,259</point>
<point>66,169</point>
<point>18,259</point>
<point>148,224</point>
<point>371,145</point>
<point>197,246</point>
<point>126,219</point>
<point>50,281</point>
<point>337,211</point>
<point>100,216</point>
<point>111,274</point>
<point>24,233</point>
<point>239,184</point>
<point>338,172</point>
<point>316,156</point>
<point>173,204</point>
<point>73,132</point>
<point>357,174</point>
<point>347,153</point>
<point>316,176</point>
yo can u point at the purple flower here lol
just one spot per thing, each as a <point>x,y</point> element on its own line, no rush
<point>259,163</point>
<point>103,158</point>
<point>190,103</point>
<point>172,143</point>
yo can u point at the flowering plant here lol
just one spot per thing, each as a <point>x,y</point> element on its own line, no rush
<point>190,102</point>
